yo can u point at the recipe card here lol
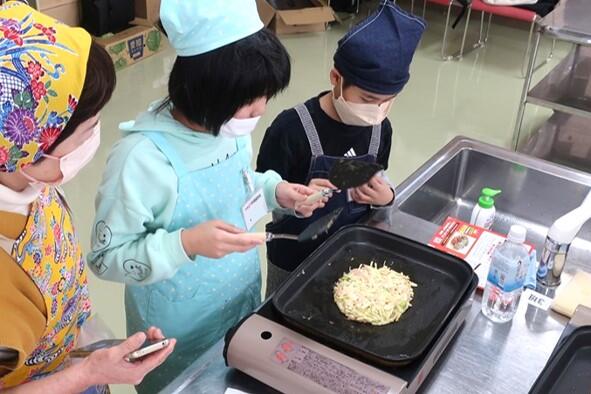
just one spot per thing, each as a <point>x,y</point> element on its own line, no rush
<point>470,243</point>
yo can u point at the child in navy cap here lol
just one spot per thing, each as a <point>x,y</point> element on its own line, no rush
<point>371,66</point>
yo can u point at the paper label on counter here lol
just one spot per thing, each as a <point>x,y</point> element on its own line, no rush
<point>537,299</point>
<point>481,253</point>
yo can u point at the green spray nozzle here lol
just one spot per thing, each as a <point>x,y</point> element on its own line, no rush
<point>487,198</point>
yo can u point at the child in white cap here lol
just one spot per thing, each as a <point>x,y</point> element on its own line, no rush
<point>179,192</point>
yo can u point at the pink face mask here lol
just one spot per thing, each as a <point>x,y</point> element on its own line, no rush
<point>74,161</point>
<point>355,114</point>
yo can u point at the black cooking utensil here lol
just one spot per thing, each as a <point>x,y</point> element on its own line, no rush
<point>569,369</point>
<point>347,174</point>
<point>306,299</point>
<point>313,231</point>
<point>320,226</point>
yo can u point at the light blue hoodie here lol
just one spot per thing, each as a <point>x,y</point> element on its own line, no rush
<point>138,195</point>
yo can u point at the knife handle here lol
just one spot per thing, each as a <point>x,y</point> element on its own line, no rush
<point>318,196</point>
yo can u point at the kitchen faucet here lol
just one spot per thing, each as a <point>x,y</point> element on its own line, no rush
<point>560,236</point>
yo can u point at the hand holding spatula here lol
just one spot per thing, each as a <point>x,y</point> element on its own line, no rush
<point>311,233</point>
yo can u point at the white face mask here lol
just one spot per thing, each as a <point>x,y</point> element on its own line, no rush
<point>239,127</point>
<point>74,161</point>
<point>355,114</point>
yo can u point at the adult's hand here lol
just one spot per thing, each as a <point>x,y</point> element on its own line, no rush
<point>109,366</point>
<point>102,367</point>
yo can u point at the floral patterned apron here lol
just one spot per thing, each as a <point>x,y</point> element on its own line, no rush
<point>49,252</point>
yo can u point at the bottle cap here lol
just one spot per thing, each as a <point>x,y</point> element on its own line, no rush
<point>517,234</point>
<point>487,198</point>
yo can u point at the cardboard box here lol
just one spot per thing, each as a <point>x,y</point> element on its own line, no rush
<point>46,4</point>
<point>148,10</point>
<point>133,44</point>
<point>290,21</point>
<point>67,11</point>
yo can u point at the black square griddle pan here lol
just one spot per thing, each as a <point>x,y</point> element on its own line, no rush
<point>569,369</point>
<point>306,299</point>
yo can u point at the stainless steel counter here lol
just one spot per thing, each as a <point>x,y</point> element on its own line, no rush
<point>484,357</point>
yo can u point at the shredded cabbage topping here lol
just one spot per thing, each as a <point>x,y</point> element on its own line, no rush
<point>373,295</point>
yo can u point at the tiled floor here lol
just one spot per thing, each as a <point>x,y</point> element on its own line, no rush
<point>477,97</point>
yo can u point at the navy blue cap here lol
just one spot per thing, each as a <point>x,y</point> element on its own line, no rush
<point>376,54</point>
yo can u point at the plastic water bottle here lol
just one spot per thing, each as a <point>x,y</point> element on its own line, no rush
<point>506,277</point>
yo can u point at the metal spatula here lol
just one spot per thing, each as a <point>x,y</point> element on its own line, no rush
<point>347,174</point>
<point>311,233</point>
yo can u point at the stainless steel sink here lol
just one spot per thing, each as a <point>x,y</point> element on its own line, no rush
<point>535,194</point>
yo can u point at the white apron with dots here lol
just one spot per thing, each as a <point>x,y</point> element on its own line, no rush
<point>205,298</point>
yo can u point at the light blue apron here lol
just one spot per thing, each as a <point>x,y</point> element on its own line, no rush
<point>207,297</point>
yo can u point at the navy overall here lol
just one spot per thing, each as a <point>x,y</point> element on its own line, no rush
<point>287,255</point>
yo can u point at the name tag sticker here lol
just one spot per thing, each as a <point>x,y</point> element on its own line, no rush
<point>255,209</point>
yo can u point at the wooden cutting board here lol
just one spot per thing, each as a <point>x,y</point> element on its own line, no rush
<point>576,292</point>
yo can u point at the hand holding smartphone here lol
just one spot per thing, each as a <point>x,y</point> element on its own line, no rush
<point>148,347</point>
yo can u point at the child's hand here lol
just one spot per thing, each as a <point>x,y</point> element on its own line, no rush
<point>376,192</point>
<point>293,196</point>
<point>216,239</point>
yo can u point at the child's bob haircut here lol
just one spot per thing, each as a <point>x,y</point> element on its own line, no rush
<point>208,89</point>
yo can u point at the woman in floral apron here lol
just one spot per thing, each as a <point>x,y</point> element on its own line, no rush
<point>53,82</point>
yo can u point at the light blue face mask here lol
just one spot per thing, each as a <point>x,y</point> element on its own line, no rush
<point>198,26</point>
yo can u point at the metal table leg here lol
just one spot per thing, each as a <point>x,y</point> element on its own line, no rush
<point>444,55</point>
<point>571,76</point>
<point>461,54</point>
<point>524,93</point>
<point>527,53</point>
